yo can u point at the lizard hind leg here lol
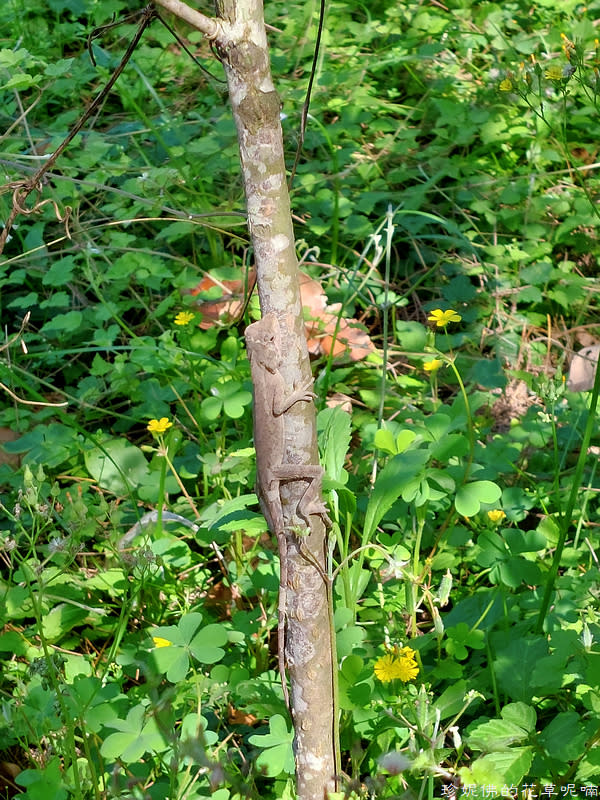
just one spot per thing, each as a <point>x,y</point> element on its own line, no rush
<point>311,501</point>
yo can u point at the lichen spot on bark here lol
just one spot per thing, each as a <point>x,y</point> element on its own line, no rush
<point>280,242</point>
<point>316,763</point>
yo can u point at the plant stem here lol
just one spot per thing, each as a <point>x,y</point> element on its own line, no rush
<point>414,583</point>
<point>567,517</point>
<point>470,429</point>
<point>161,488</point>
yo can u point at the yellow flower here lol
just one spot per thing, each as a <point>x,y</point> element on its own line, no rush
<point>433,365</point>
<point>159,425</point>
<point>400,663</point>
<point>160,642</point>
<point>506,85</point>
<point>385,668</point>
<point>554,73</point>
<point>442,318</point>
<point>183,318</point>
<point>406,666</point>
<point>497,515</point>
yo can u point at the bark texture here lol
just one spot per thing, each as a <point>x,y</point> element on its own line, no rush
<point>240,41</point>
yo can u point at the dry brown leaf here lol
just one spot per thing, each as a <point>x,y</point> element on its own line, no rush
<point>228,307</point>
<point>220,597</point>
<point>312,295</point>
<point>12,459</point>
<point>237,717</point>
<point>340,400</point>
<point>351,341</point>
<point>582,371</point>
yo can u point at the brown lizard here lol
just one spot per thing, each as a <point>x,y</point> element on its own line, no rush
<point>271,401</point>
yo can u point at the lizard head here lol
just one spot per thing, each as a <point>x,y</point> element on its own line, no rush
<point>263,339</point>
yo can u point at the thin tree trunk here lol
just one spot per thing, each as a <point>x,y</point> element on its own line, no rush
<point>239,38</point>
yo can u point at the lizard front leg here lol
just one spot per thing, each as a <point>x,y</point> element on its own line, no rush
<point>302,394</point>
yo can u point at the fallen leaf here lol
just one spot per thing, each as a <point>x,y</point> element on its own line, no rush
<point>351,339</point>
<point>583,369</point>
<point>237,717</point>
<point>341,400</point>
<point>225,307</point>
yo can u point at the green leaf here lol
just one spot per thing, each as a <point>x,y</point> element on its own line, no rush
<point>349,639</point>
<point>515,662</point>
<point>41,784</point>
<point>60,619</point>
<point>390,483</point>
<point>9,58</point>
<point>174,553</point>
<point>59,68</point>
<point>50,445</point>
<point>404,440</point>
<point>452,699</point>
<point>188,626</point>
<point>497,734</point>
<point>60,272</point>
<point>520,714</point>
<point>211,408</point>
<point>437,426</point>
<point>488,373</point>
<point>63,323</point>
<point>499,769</point>
<point>452,445</point>
<point>117,466</point>
<point>14,643</point>
<point>334,431</point>
<point>172,661</point>
<point>56,300</point>
<point>96,704</point>
<point>538,274</point>
<point>470,497</point>
<point>20,81</point>
<point>235,399</point>
<point>25,301</point>
<point>589,767</point>
<point>354,693</point>
<point>277,756</point>
<point>549,530</point>
<point>194,725</point>
<point>516,570</point>
<point>351,668</point>
<point>188,639</point>
<point>384,440</point>
<point>134,737</point>
<point>206,645</point>
<point>565,737</point>
<point>524,541</point>
<point>460,637</point>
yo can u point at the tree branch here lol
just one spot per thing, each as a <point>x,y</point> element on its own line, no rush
<point>206,25</point>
